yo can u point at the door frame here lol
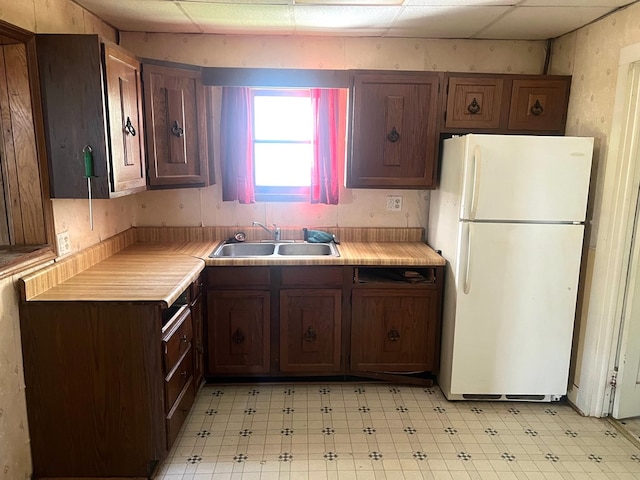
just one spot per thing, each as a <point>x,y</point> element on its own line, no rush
<point>613,248</point>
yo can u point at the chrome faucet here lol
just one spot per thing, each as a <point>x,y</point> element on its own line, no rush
<point>275,233</point>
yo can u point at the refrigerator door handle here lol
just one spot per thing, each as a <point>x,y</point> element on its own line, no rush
<point>476,178</point>
<point>466,286</point>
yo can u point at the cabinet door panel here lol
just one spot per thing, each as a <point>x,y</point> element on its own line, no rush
<point>474,102</point>
<point>238,332</point>
<point>393,142</point>
<point>310,330</point>
<point>176,126</point>
<point>539,105</point>
<point>125,120</point>
<point>394,330</point>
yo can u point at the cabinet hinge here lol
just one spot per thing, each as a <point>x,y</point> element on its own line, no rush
<point>613,379</point>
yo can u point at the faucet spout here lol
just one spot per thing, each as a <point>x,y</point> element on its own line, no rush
<point>275,232</point>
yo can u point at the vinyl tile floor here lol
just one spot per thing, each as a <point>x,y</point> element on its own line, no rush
<point>362,431</point>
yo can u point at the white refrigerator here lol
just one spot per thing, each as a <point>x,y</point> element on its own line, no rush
<point>509,217</point>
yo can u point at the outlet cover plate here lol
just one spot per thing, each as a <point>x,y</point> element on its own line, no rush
<point>394,203</point>
<point>64,244</point>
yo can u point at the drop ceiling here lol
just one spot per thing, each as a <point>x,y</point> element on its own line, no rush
<point>480,19</point>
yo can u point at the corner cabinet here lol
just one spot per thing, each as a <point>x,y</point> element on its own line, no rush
<point>109,384</point>
<point>175,127</point>
<point>92,97</point>
<point>510,104</point>
<point>394,136</point>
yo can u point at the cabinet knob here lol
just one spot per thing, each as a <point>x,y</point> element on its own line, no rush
<point>128,127</point>
<point>393,136</point>
<point>184,338</point>
<point>473,107</point>
<point>393,334</point>
<point>176,129</point>
<point>183,374</point>
<point>310,335</point>
<point>537,108</point>
<point>237,337</point>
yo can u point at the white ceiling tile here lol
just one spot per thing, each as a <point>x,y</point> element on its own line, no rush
<point>610,4</point>
<point>459,3</point>
<point>344,17</point>
<point>444,22</point>
<point>236,18</point>
<point>141,15</point>
<point>540,23</point>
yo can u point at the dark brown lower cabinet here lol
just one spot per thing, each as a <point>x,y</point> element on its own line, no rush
<point>393,331</point>
<point>108,385</point>
<point>238,331</point>
<point>310,330</point>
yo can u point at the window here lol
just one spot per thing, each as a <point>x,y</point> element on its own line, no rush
<point>282,144</point>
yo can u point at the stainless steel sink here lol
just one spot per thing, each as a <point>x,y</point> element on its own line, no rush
<point>274,249</point>
<point>244,250</point>
<point>307,249</point>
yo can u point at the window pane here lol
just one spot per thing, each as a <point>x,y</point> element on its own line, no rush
<point>285,165</point>
<point>282,118</point>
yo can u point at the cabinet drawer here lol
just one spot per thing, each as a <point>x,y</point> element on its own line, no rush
<point>177,339</point>
<point>311,276</point>
<point>235,277</point>
<point>179,412</point>
<point>177,378</point>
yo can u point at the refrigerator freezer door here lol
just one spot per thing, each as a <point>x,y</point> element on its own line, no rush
<point>525,178</point>
<point>515,302</point>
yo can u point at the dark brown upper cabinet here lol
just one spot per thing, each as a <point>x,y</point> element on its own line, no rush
<point>508,104</point>
<point>393,142</point>
<point>92,98</point>
<point>176,127</point>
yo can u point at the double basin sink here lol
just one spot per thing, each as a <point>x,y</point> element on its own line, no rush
<point>275,249</point>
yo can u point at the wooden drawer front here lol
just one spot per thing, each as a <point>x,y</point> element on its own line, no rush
<point>238,277</point>
<point>179,412</point>
<point>177,341</point>
<point>474,102</point>
<point>177,379</point>
<point>311,276</point>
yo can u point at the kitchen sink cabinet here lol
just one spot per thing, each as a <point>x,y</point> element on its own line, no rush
<point>395,321</point>
<point>109,384</point>
<point>175,127</point>
<point>507,104</point>
<point>238,320</point>
<point>310,319</point>
<point>92,99</point>
<point>394,140</point>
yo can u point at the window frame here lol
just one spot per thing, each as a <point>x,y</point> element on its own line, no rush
<point>280,193</point>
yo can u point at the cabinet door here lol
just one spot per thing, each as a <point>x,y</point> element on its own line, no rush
<point>394,330</point>
<point>539,105</point>
<point>310,330</point>
<point>474,103</point>
<point>238,331</point>
<point>393,134</point>
<point>124,104</point>
<point>176,126</point>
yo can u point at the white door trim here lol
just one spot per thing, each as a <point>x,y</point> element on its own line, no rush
<point>613,244</point>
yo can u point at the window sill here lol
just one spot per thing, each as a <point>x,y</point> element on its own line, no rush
<point>18,258</point>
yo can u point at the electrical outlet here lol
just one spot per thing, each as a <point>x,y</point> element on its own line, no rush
<point>394,203</point>
<point>64,244</point>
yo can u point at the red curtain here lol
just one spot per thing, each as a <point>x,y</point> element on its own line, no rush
<point>236,145</point>
<point>324,176</point>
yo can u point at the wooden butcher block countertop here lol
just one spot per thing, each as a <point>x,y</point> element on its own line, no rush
<point>160,272</point>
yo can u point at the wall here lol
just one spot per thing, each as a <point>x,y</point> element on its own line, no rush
<point>44,16</point>
<point>591,54</point>
<point>358,207</point>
